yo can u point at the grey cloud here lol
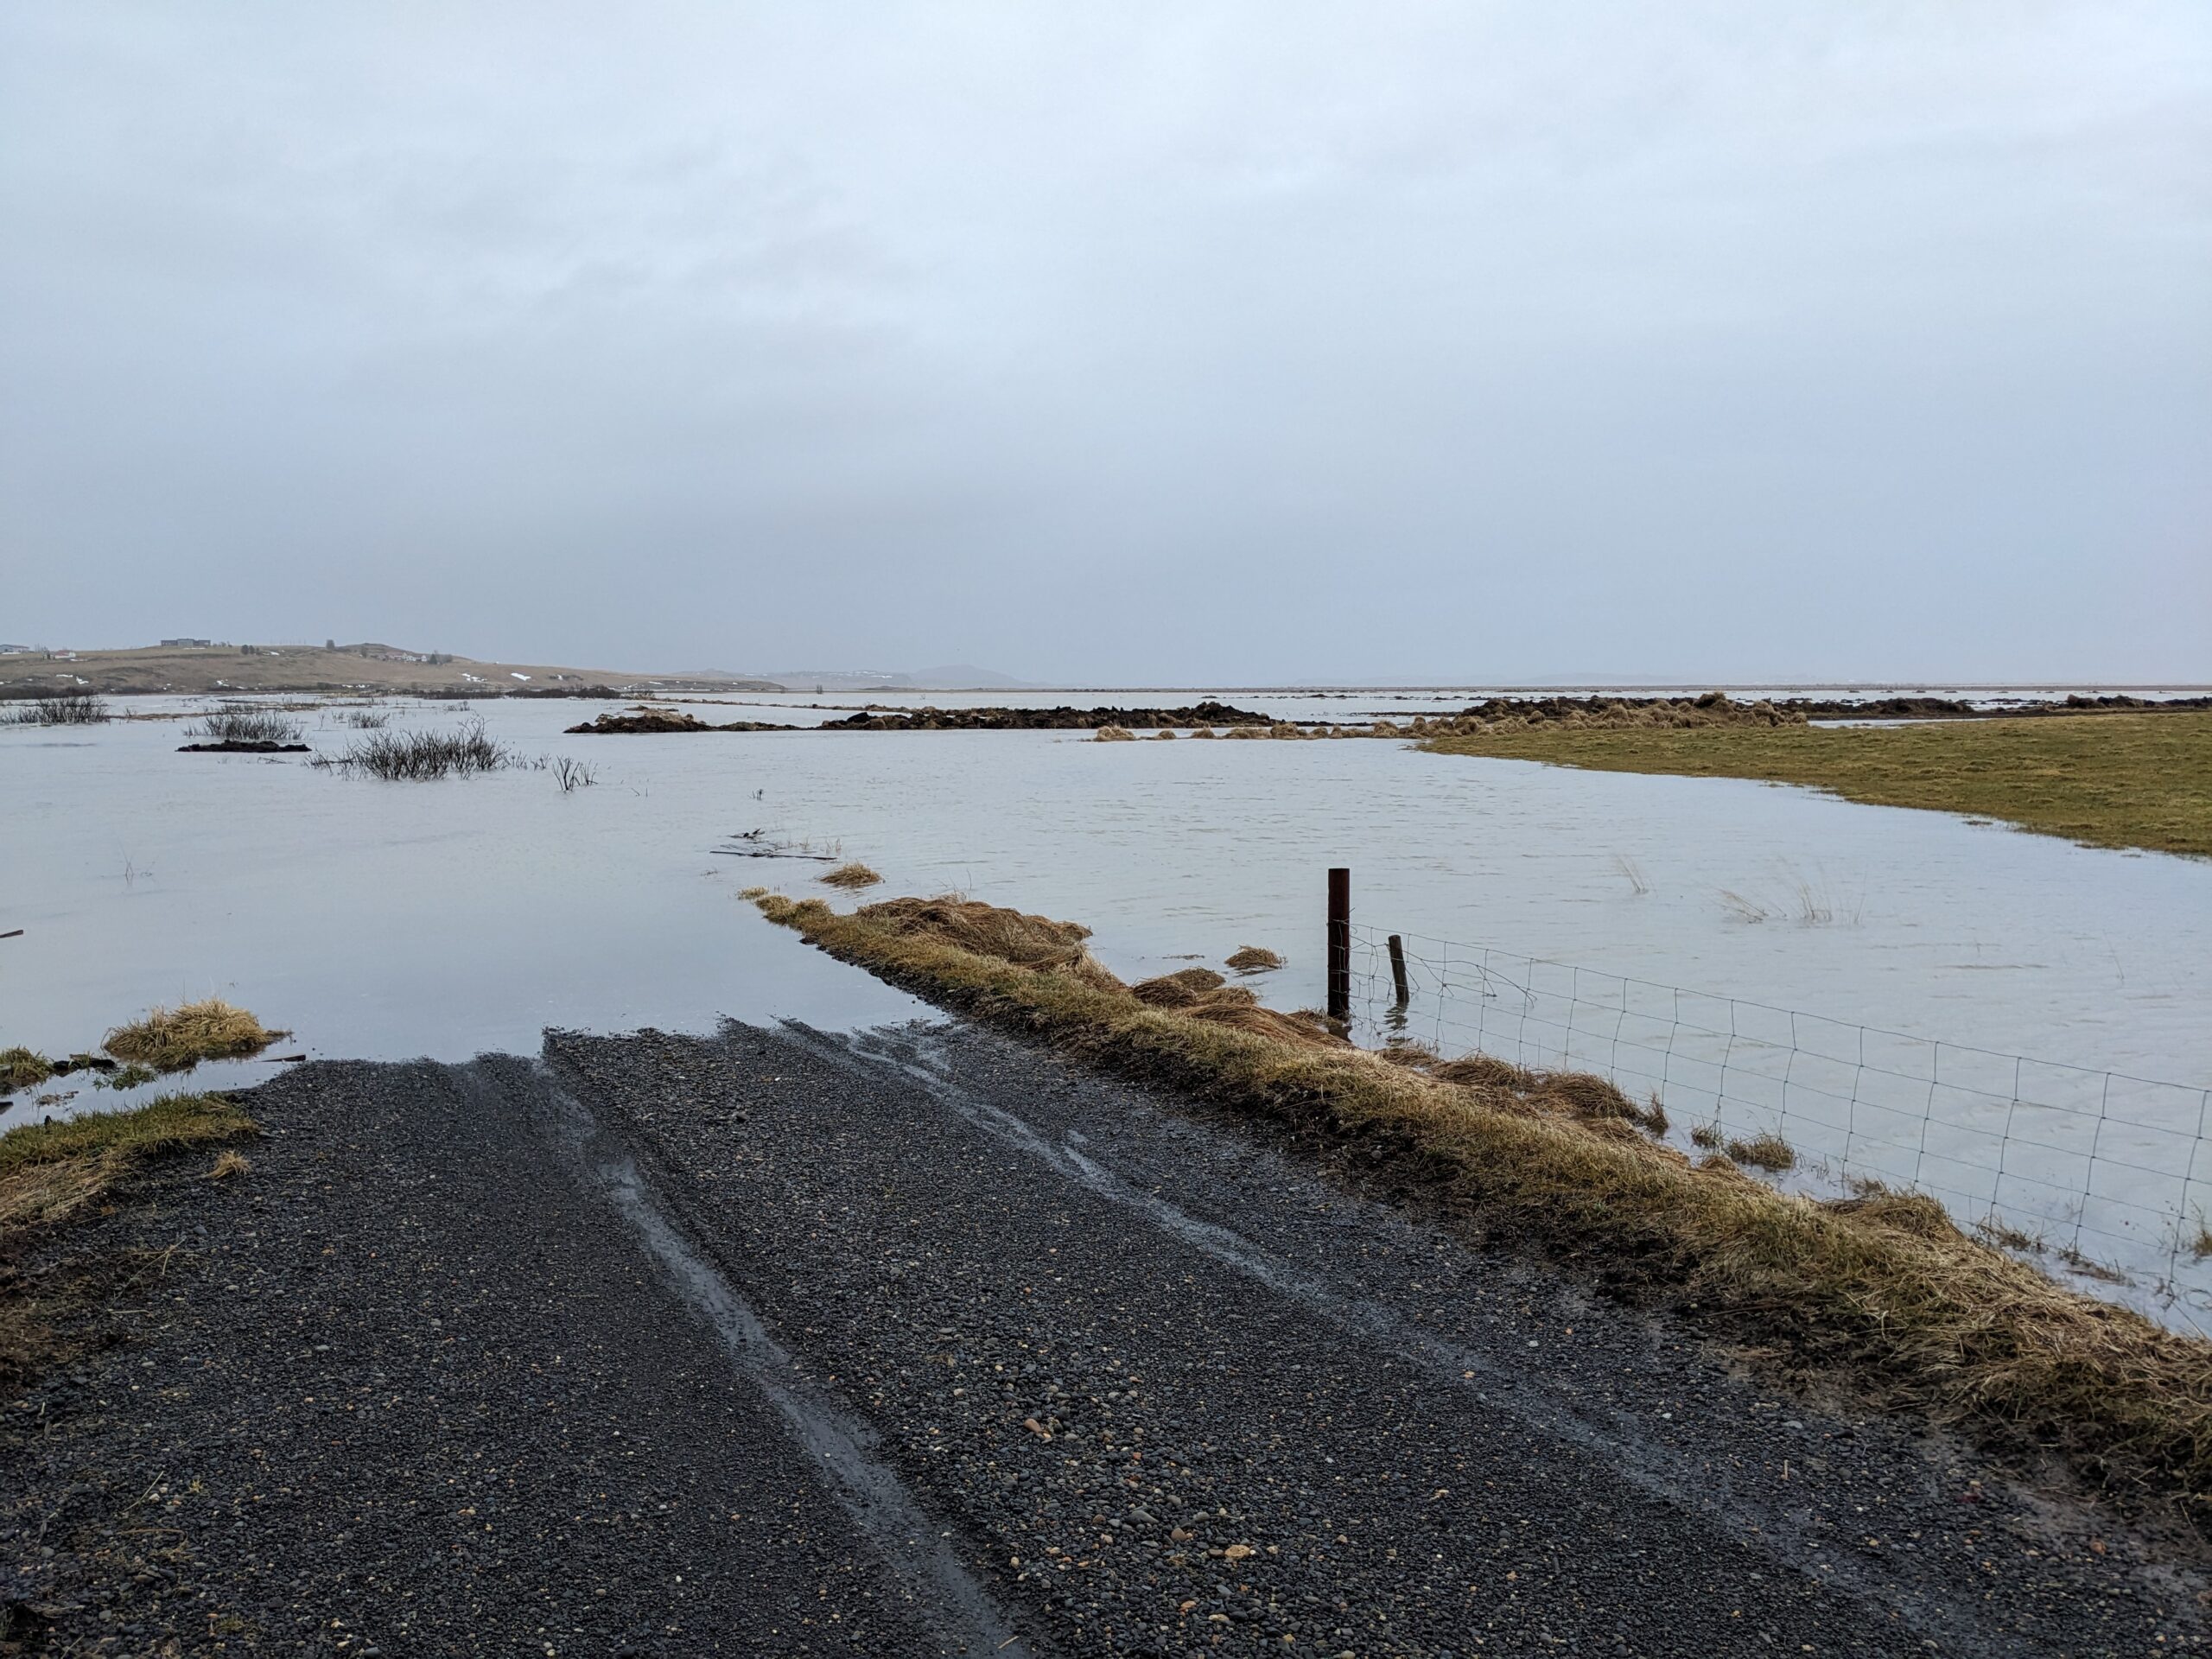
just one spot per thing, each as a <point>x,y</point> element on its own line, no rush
<point>1214,342</point>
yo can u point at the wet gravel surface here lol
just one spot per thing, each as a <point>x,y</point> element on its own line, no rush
<point>924,1342</point>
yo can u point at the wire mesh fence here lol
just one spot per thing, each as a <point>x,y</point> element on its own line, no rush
<point>2108,1175</point>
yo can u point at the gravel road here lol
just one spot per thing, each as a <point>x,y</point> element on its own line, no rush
<point>922,1342</point>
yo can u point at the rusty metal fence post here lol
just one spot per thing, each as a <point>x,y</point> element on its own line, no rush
<point>1340,944</point>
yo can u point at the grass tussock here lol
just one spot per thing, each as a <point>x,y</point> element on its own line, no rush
<point>1880,1289</point>
<point>1113,734</point>
<point>1035,943</point>
<point>413,756</point>
<point>854,874</point>
<point>172,1040</point>
<point>244,724</point>
<point>65,709</point>
<point>1768,1152</point>
<point>2106,780</point>
<point>1177,991</point>
<point>22,1068</point>
<point>229,1164</point>
<point>1252,959</point>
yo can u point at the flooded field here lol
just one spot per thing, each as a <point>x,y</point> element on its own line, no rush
<point>377,919</point>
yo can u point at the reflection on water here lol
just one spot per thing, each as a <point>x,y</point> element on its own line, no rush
<point>388,920</point>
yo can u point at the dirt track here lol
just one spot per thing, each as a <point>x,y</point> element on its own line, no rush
<point>925,1343</point>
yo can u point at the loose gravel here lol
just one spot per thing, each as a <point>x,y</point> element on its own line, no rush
<point>927,1341</point>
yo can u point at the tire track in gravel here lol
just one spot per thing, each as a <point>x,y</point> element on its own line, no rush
<point>938,1205</point>
<point>1666,1476</point>
<point>1657,1472</point>
<point>956,1608</point>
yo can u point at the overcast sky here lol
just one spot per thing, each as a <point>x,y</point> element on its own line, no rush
<point>1178,343</point>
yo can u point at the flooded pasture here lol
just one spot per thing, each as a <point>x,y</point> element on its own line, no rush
<point>389,921</point>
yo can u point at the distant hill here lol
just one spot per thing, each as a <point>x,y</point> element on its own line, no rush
<point>203,669</point>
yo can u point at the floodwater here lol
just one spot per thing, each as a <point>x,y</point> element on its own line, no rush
<point>380,920</point>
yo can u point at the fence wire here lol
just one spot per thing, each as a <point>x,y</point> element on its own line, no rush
<point>2106,1171</point>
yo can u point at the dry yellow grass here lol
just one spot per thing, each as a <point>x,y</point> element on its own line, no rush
<point>162,1126</point>
<point>854,874</point>
<point>1252,959</point>
<point>171,1039</point>
<point>1113,734</point>
<point>1882,1290</point>
<point>229,1163</point>
<point>51,1173</point>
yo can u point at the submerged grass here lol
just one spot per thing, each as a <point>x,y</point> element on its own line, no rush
<point>1880,1289</point>
<point>1768,1152</point>
<point>2107,780</point>
<point>22,1068</point>
<point>854,874</point>
<point>171,1039</point>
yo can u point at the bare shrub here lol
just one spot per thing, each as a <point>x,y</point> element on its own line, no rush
<point>412,757</point>
<point>63,709</point>
<point>243,723</point>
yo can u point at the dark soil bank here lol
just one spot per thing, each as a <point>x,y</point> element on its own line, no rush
<point>928,1343</point>
<point>1062,719</point>
<point>242,746</point>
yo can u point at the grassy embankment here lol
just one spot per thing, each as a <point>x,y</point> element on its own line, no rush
<point>1881,1290</point>
<point>2106,780</point>
<point>54,1173</point>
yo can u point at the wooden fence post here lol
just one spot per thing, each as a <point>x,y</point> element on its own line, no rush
<point>1339,945</point>
<point>1398,970</point>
